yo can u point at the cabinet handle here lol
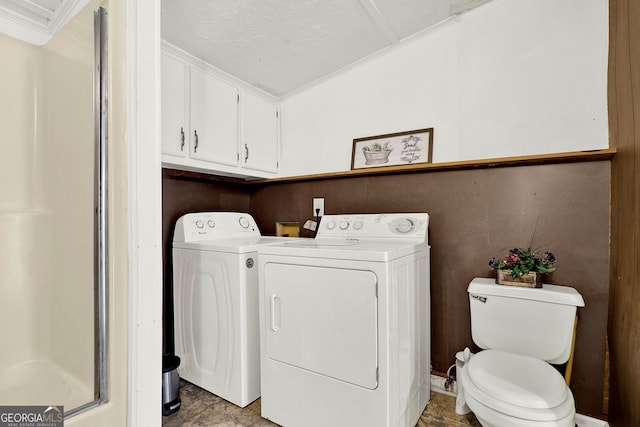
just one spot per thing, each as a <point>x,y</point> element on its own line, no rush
<point>195,147</point>
<point>246,153</point>
<point>182,139</point>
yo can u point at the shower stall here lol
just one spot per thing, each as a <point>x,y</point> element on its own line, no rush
<point>53,217</point>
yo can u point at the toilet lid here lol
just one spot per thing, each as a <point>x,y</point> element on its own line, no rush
<point>517,380</point>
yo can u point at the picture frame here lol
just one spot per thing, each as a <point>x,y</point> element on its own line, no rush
<point>393,149</point>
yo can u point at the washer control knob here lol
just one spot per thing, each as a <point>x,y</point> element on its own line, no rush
<point>244,222</point>
<point>344,225</point>
<point>357,225</point>
<point>331,225</point>
<point>199,223</point>
<point>211,223</point>
<point>405,226</point>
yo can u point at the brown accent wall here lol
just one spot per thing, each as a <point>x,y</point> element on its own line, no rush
<point>183,193</point>
<point>624,126</point>
<point>474,215</point>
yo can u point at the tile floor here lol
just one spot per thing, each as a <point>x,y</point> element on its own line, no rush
<point>203,409</point>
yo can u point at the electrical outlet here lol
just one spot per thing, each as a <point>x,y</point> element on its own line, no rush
<point>318,206</point>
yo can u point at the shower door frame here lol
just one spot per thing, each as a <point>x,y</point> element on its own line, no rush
<point>101,253</point>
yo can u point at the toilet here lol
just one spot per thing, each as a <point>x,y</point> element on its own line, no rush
<point>521,332</point>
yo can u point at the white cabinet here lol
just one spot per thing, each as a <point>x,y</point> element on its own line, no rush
<point>211,125</point>
<point>213,119</point>
<point>199,114</point>
<point>175,108</point>
<point>258,133</point>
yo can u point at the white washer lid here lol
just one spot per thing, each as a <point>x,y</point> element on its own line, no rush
<point>517,380</point>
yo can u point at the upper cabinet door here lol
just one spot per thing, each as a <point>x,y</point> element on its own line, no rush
<point>174,107</point>
<point>258,133</point>
<point>214,119</point>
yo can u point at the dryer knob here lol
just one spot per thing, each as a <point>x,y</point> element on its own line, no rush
<point>199,223</point>
<point>331,225</point>
<point>244,222</point>
<point>211,223</point>
<point>344,225</point>
<point>357,225</point>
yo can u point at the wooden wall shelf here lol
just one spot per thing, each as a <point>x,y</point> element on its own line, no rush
<point>566,157</point>
<point>537,159</point>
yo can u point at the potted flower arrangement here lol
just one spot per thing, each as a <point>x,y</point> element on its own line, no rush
<point>377,153</point>
<point>522,267</point>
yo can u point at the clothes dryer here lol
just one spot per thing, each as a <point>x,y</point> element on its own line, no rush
<point>215,288</point>
<point>345,323</point>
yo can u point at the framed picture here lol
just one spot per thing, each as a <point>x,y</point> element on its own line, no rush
<point>402,148</point>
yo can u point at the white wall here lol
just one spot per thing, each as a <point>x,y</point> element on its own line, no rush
<point>507,79</point>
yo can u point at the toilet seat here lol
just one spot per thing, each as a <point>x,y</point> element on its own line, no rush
<point>517,386</point>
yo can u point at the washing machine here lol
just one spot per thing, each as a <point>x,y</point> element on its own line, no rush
<point>215,283</point>
<point>345,323</point>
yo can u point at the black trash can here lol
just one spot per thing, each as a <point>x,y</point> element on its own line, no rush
<point>170,384</point>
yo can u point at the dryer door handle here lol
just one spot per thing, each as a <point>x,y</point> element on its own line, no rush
<point>275,312</point>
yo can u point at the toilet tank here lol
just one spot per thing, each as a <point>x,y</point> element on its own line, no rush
<point>535,322</point>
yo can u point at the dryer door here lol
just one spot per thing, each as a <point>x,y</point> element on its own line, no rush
<point>323,320</point>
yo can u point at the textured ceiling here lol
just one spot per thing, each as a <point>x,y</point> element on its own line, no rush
<point>282,45</point>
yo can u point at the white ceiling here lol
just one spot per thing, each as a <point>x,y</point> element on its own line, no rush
<point>279,46</point>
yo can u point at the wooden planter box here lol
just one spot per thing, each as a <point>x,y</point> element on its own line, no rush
<point>531,280</point>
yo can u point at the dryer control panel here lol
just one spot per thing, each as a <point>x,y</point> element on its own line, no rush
<point>374,226</point>
<point>199,226</point>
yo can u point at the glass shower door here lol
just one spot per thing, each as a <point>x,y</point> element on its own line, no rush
<point>53,251</point>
